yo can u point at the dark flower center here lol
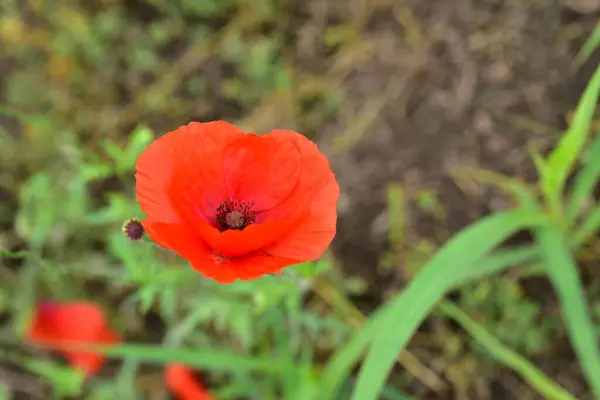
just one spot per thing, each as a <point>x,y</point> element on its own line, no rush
<point>234,220</point>
<point>234,214</point>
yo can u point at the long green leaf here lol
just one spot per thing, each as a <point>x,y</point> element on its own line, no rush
<point>411,307</point>
<point>562,158</point>
<point>562,270</point>
<point>590,45</point>
<point>13,113</point>
<point>498,262</point>
<point>5,393</point>
<point>543,384</point>
<point>585,182</point>
<point>66,381</point>
<point>431,281</point>
<point>588,228</point>
<point>214,359</point>
<point>340,365</point>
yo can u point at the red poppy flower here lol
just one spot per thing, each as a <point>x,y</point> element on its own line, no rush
<point>236,205</point>
<point>55,325</point>
<point>184,385</point>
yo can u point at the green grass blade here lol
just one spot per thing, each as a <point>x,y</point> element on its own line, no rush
<point>213,359</point>
<point>516,188</point>
<point>498,262</point>
<point>562,270</point>
<point>588,228</point>
<point>9,112</point>
<point>535,378</point>
<point>585,182</point>
<point>5,393</point>
<point>411,307</point>
<point>590,45</point>
<point>66,381</point>
<point>562,158</point>
<point>339,367</point>
<point>431,282</point>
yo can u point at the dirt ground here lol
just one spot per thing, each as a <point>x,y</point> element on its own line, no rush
<point>480,82</point>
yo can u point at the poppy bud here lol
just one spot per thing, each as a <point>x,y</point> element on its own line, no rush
<point>133,229</point>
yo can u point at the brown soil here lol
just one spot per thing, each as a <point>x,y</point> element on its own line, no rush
<point>482,81</point>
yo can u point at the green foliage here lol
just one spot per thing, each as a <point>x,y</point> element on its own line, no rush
<point>264,320</point>
<point>390,328</point>
<point>93,80</point>
<point>4,392</point>
<point>506,355</point>
<point>65,381</point>
<point>255,317</point>
<point>515,320</point>
<point>590,45</point>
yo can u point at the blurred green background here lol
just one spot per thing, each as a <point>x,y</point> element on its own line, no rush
<point>411,100</point>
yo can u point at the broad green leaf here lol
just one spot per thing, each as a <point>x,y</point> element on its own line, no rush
<point>563,273</point>
<point>393,324</point>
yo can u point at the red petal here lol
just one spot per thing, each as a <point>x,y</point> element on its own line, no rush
<point>92,362</point>
<point>316,195</point>
<point>235,243</point>
<point>182,239</point>
<point>184,166</point>
<point>89,363</point>
<point>263,170</point>
<point>58,324</point>
<point>253,265</point>
<point>183,384</point>
<point>76,321</point>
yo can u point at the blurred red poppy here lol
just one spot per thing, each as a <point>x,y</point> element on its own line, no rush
<point>236,205</point>
<point>56,325</point>
<point>184,385</point>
